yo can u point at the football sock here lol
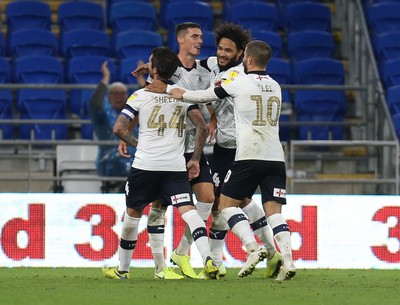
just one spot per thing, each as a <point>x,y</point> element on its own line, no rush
<point>204,209</point>
<point>199,232</point>
<point>282,236</point>
<point>259,224</point>
<point>218,230</point>
<point>155,230</point>
<point>240,226</point>
<point>128,241</point>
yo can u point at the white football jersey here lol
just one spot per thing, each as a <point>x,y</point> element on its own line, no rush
<point>257,105</point>
<point>162,121</point>
<point>225,135</point>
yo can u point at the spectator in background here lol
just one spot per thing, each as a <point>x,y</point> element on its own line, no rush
<point>104,107</point>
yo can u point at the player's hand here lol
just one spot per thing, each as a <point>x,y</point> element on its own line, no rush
<point>140,70</point>
<point>218,83</point>
<point>211,132</point>
<point>157,86</point>
<point>193,169</point>
<point>105,72</point>
<point>123,149</point>
<point>177,93</point>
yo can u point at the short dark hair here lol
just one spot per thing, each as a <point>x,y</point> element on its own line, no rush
<point>234,32</point>
<point>185,26</point>
<point>260,51</point>
<point>165,60</point>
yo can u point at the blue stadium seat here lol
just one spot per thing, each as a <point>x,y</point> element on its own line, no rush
<point>163,9</point>
<point>85,43</point>
<point>5,71</point>
<point>227,7</point>
<point>126,66</point>
<point>393,99</point>
<point>390,72</point>
<point>42,104</point>
<point>80,15</point>
<point>33,42</point>
<point>387,46</point>
<point>383,18</point>
<point>320,106</point>
<point>38,69</point>
<point>85,70</point>
<point>136,43</point>
<point>199,12</point>
<point>310,44</point>
<point>6,113</point>
<point>254,15</point>
<point>3,45</point>
<point>325,71</point>
<point>308,16</point>
<point>125,16</point>
<point>28,15</point>
<point>274,40</point>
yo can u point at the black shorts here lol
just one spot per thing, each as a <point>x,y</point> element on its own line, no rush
<point>205,170</point>
<point>144,187</point>
<point>223,159</point>
<point>246,175</point>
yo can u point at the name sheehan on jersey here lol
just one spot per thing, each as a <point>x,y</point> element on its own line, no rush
<point>166,99</point>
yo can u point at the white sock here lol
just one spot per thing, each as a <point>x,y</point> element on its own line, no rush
<point>155,230</point>
<point>218,230</point>
<point>282,237</point>
<point>128,241</point>
<point>185,243</point>
<point>204,209</point>
<point>240,226</point>
<point>259,224</point>
<point>199,232</point>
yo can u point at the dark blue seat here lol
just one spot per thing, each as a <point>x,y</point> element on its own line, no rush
<point>85,70</point>
<point>254,15</point>
<point>274,40</point>
<point>383,18</point>
<point>42,104</point>
<point>126,16</point>
<point>199,12</point>
<point>33,42</point>
<point>3,45</point>
<point>38,69</point>
<point>80,15</point>
<point>393,99</point>
<point>320,106</point>
<point>136,43</point>
<point>227,7</point>
<point>391,73</point>
<point>85,43</point>
<point>6,113</point>
<point>308,16</point>
<point>387,46</point>
<point>325,71</point>
<point>163,8</point>
<point>310,44</point>
<point>126,66</point>
<point>28,15</point>
<point>5,71</point>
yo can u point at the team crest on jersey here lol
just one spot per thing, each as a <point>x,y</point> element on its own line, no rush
<point>132,97</point>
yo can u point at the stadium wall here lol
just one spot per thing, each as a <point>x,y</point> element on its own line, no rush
<point>82,230</point>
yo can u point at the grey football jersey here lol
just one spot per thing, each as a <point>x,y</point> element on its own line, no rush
<point>196,78</point>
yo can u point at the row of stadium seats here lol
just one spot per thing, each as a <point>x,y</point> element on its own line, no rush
<point>383,19</point>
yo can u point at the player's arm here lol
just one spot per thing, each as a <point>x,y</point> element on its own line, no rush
<point>212,125</point>
<point>121,130</point>
<point>199,96</point>
<point>123,146</point>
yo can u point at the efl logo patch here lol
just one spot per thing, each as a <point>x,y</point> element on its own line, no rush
<point>132,97</point>
<point>280,193</point>
<point>180,198</point>
<point>233,74</point>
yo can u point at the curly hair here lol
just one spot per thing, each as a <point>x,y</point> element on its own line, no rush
<point>234,32</point>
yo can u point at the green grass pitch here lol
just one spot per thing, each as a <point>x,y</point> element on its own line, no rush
<point>79,286</point>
